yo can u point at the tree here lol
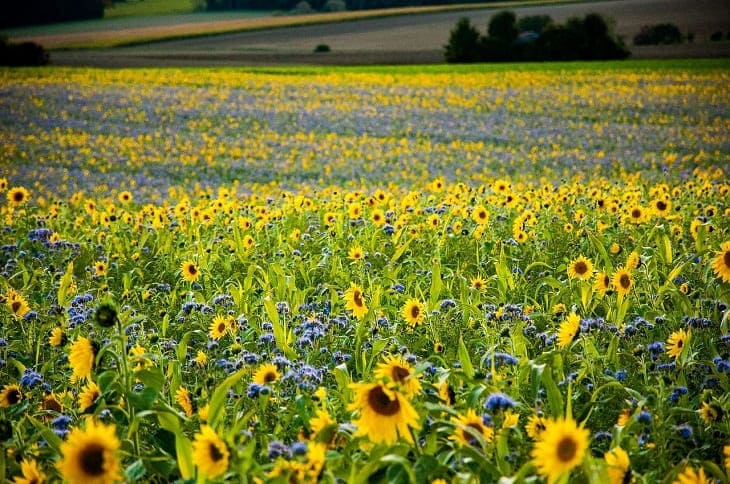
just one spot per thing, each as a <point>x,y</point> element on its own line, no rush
<point>503,26</point>
<point>463,43</point>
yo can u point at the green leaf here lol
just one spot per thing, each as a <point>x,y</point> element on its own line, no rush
<point>465,359</point>
<point>143,399</point>
<point>555,398</point>
<point>135,471</point>
<point>183,446</point>
<point>152,378</point>
<point>53,440</point>
<point>220,395</point>
<point>106,379</point>
<point>65,284</point>
<point>436,282</point>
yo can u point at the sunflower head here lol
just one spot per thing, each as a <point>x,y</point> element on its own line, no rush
<point>17,196</point>
<point>413,312</point>
<point>105,314</point>
<point>266,374</point>
<point>562,447</point>
<point>580,268</point>
<point>10,395</point>
<point>470,429</point>
<point>190,271</point>
<point>210,453</point>
<point>384,413</point>
<point>401,374</point>
<point>89,454</point>
<point>721,262</point>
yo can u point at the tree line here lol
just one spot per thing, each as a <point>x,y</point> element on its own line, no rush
<point>30,12</point>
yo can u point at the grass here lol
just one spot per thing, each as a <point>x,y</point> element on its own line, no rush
<point>99,39</point>
<point>146,8</point>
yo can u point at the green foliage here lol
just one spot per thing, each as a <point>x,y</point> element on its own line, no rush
<point>666,33</point>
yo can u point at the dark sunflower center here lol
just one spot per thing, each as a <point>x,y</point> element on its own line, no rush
<point>606,280</point>
<point>269,376</point>
<point>18,196</point>
<point>14,396</point>
<point>92,460</point>
<point>52,404</point>
<point>215,453</point>
<point>415,311</point>
<point>15,306</point>
<point>567,448</point>
<point>581,267</point>
<point>192,270</point>
<point>680,343</point>
<point>660,205</point>
<point>357,298</point>
<point>726,258</point>
<point>399,373</point>
<point>221,327</point>
<point>482,215</point>
<point>381,403</point>
<point>625,281</point>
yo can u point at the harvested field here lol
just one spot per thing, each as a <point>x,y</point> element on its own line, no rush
<point>408,38</point>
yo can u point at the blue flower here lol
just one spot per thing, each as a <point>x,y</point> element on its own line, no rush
<point>498,401</point>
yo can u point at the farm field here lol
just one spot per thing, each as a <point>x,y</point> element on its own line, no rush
<point>374,274</point>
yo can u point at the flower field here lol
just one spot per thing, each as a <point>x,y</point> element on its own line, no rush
<point>366,275</point>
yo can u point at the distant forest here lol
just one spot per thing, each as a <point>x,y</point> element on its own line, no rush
<point>322,4</point>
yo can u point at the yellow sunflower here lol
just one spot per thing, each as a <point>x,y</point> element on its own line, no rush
<point>31,473</point>
<point>50,402</point>
<point>182,397</point>
<point>622,281</point>
<point>190,271</point>
<point>81,358</point>
<point>413,312</point>
<point>17,196</point>
<point>477,283</point>
<point>89,454</point>
<point>384,413</point>
<point>125,197</point>
<point>323,427</point>
<point>88,396</point>
<point>661,206</point>
<point>562,446</point>
<point>17,304</point>
<point>355,301</point>
<point>721,262</point>
<point>398,371</point>
<point>580,268</point>
<point>535,426</point>
<point>469,424</point>
<point>266,374</point>
<point>58,337</point>
<point>568,330</point>
<point>677,341</point>
<point>711,412</point>
<point>219,327</point>
<point>10,395</point>
<point>617,461</point>
<point>100,268</point>
<point>377,217</point>
<point>210,453</point>
<point>480,215</point>
<point>356,253</point>
<point>690,476</point>
<point>636,214</point>
<point>602,284</point>
<point>633,261</point>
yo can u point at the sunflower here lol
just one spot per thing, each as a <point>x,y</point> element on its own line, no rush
<point>446,393</point>
<point>677,341</point>
<point>265,374</point>
<point>580,268</point>
<point>50,403</point>
<point>602,284</point>
<point>355,301</point>
<point>636,214</point>
<point>10,395</point>
<point>81,358</point>
<point>88,396</point>
<point>561,447</point>
<point>355,253</point>
<point>711,412</point>
<point>398,371</point>
<point>480,215</point>
<point>17,196</point>
<point>469,424</point>
<point>385,414</point>
<point>200,358</point>
<point>661,206</point>
<point>323,427</point>
<point>633,261</point>
<point>535,426</point>
<point>478,283</point>
<point>622,281</point>
<point>413,312</point>
<point>182,397</point>
<point>721,262</point>
<point>31,473</point>
<point>617,461</point>
<point>689,476</point>
<point>100,268</point>
<point>17,304</point>
<point>3,184</point>
<point>190,271</point>
<point>726,452</point>
<point>568,330</point>
<point>210,453</point>
<point>377,217</point>
<point>218,327</point>
<point>89,455</point>
<point>125,197</point>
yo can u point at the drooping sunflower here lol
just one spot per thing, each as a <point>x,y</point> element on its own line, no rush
<point>183,398</point>
<point>10,395</point>
<point>622,281</point>
<point>89,454</point>
<point>17,304</point>
<point>568,330</point>
<point>690,476</point>
<point>413,312</point>
<point>475,425</point>
<point>384,413</point>
<point>399,372</point>
<point>17,196</point>
<point>265,374</point>
<point>210,453</point>
<point>562,446</point>
<point>618,463</point>
<point>218,327</point>
<point>721,262</point>
<point>81,357</point>
<point>602,283</point>
<point>355,301</point>
<point>633,261</point>
<point>190,271</point>
<point>677,341</point>
<point>31,473</point>
<point>88,396</point>
<point>580,268</point>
